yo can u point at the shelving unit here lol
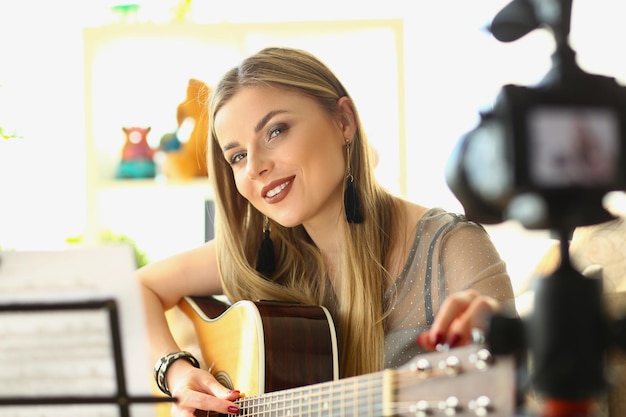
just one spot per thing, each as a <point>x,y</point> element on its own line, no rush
<point>137,74</point>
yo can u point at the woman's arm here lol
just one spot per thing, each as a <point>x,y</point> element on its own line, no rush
<point>164,283</point>
<point>477,285</point>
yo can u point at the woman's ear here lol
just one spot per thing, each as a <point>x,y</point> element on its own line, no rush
<point>347,117</point>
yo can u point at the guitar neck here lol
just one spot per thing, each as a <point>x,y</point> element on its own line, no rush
<point>463,382</point>
<point>366,395</point>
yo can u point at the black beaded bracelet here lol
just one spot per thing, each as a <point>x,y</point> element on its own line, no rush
<point>163,364</point>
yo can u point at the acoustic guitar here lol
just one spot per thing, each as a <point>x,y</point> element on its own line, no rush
<point>283,357</point>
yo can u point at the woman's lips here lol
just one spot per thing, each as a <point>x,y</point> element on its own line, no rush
<point>277,190</point>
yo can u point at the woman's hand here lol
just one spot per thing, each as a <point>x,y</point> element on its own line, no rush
<point>458,316</point>
<point>197,389</point>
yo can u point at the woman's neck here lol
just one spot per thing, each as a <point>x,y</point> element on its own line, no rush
<point>329,238</point>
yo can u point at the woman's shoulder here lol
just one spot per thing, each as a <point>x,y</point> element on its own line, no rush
<point>434,215</point>
<point>443,215</point>
<point>435,222</point>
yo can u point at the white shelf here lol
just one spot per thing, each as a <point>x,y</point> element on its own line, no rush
<point>195,183</point>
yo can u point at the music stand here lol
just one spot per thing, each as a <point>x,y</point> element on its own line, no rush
<point>122,399</point>
<point>87,283</point>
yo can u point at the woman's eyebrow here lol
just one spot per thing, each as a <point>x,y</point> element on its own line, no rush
<point>266,118</point>
<point>259,126</point>
<point>229,146</point>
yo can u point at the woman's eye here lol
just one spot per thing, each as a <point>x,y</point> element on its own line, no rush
<point>275,131</point>
<point>237,157</point>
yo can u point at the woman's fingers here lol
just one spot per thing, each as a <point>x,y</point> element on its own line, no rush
<point>201,391</point>
<point>459,314</point>
<point>476,315</point>
<point>192,400</point>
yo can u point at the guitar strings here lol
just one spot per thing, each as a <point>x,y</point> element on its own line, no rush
<point>363,396</point>
<point>343,397</point>
<point>351,396</point>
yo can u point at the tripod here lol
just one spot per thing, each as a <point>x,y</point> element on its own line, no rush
<point>567,337</point>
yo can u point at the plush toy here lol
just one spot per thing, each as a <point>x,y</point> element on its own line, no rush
<point>137,155</point>
<point>185,150</point>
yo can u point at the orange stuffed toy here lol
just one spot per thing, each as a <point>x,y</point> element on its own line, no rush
<point>187,158</point>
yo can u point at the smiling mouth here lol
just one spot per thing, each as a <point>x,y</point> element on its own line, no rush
<point>276,190</point>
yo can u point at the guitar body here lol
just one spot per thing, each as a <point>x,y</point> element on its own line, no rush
<point>264,346</point>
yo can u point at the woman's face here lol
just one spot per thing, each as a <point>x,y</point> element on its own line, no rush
<point>286,153</point>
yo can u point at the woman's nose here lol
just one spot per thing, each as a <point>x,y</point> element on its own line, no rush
<point>258,165</point>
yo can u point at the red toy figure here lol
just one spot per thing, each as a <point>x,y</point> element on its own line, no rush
<point>137,156</point>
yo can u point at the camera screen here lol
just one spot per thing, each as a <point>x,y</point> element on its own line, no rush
<point>573,146</point>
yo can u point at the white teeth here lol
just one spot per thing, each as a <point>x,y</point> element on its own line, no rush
<point>274,191</point>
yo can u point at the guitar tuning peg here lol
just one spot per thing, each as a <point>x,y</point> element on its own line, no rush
<point>423,367</point>
<point>478,336</point>
<point>481,359</point>
<point>451,365</point>
<point>450,406</point>
<point>481,406</point>
<point>421,409</point>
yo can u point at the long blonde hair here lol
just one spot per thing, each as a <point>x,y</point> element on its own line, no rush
<point>300,272</point>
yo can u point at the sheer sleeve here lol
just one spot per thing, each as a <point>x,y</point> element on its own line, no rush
<point>449,254</point>
<point>470,260</point>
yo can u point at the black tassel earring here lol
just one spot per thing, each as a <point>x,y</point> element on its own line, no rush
<point>265,263</point>
<point>351,202</point>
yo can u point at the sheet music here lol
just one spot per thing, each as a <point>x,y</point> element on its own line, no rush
<point>69,353</point>
<point>56,353</point>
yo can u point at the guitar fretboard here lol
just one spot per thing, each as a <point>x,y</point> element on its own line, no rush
<point>347,397</point>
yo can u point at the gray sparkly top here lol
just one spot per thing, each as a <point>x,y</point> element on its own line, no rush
<point>449,254</point>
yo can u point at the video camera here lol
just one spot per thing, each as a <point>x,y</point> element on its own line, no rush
<point>545,155</point>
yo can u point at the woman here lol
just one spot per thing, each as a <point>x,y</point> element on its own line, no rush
<point>289,162</point>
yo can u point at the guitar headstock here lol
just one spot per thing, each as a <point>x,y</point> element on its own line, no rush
<point>463,381</point>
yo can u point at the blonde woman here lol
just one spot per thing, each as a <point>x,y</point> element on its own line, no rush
<point>300,217</point>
